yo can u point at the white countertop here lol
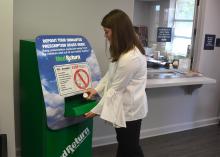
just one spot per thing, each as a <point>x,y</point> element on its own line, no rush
<point>181,81</point>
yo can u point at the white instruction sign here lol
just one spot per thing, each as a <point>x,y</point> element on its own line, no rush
<point>72,78</point>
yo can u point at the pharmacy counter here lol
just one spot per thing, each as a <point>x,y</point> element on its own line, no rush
<point>169,78</point>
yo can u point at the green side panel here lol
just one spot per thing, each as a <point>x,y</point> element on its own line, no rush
<point>32,107</point>
<point>37,140</point>
<point>77,105</point>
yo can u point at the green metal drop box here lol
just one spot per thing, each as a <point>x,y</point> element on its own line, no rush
<point>37,139</point>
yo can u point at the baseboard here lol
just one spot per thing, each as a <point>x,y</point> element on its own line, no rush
<point>106,140</point>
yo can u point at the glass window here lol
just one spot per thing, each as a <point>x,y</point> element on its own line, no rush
<point>180,46</point>
<point>184,9</point>
<point>183,29</point>
<point>169,25</point>
<point>183,24</point>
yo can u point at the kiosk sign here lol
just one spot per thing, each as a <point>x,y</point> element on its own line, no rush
<point>67,66</point>
<point>81,78</point>
<point>72,78</point>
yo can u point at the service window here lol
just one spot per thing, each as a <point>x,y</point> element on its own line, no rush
<point>165,27</point>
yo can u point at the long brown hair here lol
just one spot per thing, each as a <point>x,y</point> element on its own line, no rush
<point>124,37</point>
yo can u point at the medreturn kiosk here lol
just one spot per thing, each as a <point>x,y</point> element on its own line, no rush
<point>54,72</point>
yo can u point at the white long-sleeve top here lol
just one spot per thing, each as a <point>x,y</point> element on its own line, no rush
<point>123,90</point>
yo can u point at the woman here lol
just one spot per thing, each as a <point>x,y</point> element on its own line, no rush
<point>123,102</point>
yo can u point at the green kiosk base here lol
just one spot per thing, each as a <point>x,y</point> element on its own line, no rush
<point>37,139</point>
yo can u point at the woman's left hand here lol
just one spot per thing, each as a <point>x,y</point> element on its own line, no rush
<point>90,115</point>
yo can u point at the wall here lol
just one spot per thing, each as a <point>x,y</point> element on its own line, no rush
<point>33,18</point>
<point>170,109</point>
<point>208,63</point>
<point>6,74</point>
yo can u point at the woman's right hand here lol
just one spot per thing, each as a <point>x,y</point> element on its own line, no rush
<point>91,92</point>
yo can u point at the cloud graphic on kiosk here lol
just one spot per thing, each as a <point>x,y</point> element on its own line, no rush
<point>44,82</point>
<point>55,113</point>
<point>41,54</point>
<point>52,99</point>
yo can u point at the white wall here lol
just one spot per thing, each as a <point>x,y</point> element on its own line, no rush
<point>208,63</point>
<point>170,109</point>
<point>6,74</point>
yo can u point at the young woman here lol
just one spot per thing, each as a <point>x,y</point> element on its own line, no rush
<point>123,99</point>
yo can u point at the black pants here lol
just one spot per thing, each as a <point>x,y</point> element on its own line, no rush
<point>128,140</point>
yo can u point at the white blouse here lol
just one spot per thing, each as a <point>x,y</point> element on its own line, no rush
<point>123,90</point>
